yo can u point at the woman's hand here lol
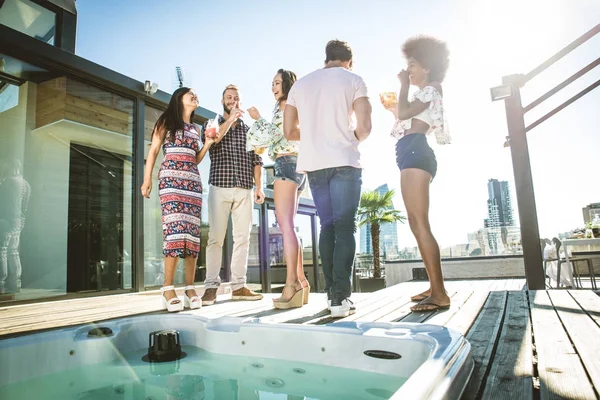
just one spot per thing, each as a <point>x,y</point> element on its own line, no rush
<point>388,104</point>
<point>403,77</point>
<point>254,114</point>
<point>209,141</point>
<point>146,189</point>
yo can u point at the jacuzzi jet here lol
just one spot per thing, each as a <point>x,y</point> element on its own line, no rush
<point>274,383</point>
<point>381,393</point>
<point>100,332</point>
<point>164,346</point>
<point>386,355</point>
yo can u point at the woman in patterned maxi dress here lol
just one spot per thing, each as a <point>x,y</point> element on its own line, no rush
<point>180,192</point>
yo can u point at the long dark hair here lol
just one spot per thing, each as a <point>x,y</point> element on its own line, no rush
<point>172,119</point>
<point>288,78</point>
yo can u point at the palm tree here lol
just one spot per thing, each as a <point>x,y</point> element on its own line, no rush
<point>376,209</point>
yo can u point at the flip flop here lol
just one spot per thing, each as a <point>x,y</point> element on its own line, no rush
<point>431,307</point>
<point>418,297</point>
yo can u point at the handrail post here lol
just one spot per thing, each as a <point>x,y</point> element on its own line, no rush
<point>530,233</point>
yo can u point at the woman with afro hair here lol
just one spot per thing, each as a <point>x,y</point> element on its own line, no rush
<point>427,62</point>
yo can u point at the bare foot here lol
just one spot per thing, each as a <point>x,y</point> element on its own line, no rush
<point>169,294</point>
<point>432,303</point>
<point>421,296</point>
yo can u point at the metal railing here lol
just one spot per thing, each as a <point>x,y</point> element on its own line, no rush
<point>510,92</point>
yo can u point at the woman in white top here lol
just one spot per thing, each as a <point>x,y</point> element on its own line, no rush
<point>287,187</point>
<point>427,60</point>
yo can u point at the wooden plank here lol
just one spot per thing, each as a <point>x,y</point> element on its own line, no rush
<point>422,316</point>
<point>589,301</point>
<point>483,336</point>
<point>401,313</point>
<point>46,119</point>
<point>458,302</point>
<point>374,302</point>
<point>118,114</point>
<point>99,96</point>
<point>512,366</point>
<point>582,330</point>
<point>363,305</point>
<point>464,318</point>
<point>383,310</point>
<point>91,118</point>
<point>560,370</point>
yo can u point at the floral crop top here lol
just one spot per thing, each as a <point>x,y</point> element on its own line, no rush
<point>432,115</point>
<point>265,134</point>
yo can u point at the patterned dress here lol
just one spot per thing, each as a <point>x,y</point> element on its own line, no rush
<point>180,193</point>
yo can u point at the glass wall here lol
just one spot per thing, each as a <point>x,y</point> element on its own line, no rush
<point>29,18</point>
<point>254,276</point>
<point>65,188</point>
<point>276,254</point>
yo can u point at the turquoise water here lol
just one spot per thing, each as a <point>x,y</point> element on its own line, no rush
<point>205,376</point>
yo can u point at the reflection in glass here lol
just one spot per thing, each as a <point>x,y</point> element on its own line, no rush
<point>66,149</point>
<point>276,255</point>
<point>29,18</point>
<point>254,279</point>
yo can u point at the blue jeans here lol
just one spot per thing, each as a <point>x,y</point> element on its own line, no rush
<point>336,192</point>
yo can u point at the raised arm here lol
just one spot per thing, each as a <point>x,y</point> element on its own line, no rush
<point>407,110</point>
<point>265,134</point>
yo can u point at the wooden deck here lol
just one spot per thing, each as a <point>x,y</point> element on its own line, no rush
<point>526,344</point>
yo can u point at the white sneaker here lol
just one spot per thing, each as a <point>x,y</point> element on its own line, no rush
<point>342,309</point>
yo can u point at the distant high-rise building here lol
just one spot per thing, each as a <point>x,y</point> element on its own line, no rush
<point>388,236</point>
<point>500,213</point>
<point>500,209</point>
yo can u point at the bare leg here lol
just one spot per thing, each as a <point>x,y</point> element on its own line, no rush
<point>415,192</point>
<point>190,274</point>
<point>301,275</point>
<point>286,193</point>
<point>170,267</point>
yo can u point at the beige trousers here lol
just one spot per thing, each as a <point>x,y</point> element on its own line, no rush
<point>221,203</point>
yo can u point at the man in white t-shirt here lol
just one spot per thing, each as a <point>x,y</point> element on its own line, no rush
<point>321,105</point>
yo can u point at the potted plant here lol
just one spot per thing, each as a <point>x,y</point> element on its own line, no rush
<point>376,209</point>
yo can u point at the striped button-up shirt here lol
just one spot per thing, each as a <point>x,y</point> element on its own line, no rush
<point>230,164</point>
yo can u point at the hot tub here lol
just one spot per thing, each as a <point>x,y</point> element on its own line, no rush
<point>234,358</point>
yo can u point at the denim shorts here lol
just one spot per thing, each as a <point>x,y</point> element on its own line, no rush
<point>413,151</point>
<point>285,169</point>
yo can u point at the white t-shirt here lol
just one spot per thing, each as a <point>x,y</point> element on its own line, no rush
<point>324,100</point>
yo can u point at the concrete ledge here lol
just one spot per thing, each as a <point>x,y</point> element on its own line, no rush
<point>460,269</point>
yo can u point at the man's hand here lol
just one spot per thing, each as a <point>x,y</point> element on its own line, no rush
<point>254,114</point>
<point>259,196</point>
<point>235,113</point>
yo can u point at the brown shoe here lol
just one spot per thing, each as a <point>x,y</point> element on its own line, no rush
<point>209,297</point>
<point>245,294</point>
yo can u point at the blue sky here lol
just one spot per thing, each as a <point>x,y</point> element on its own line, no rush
<point>245,42</point>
